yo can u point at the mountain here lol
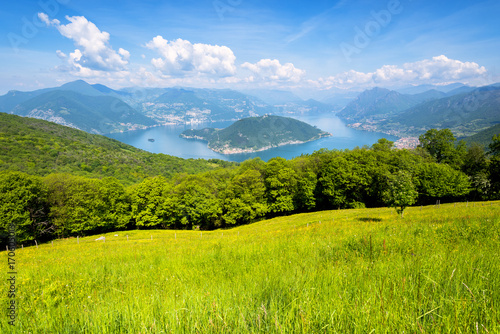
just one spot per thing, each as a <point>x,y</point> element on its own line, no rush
<point>380,103</point>
<point>77,104</point>
<point>483,137</point>
<point>423,88</point>
<point>465,114</point>
<point>273,96</point>
<point>81,87</point>
<point>39,147</point>
<point>256,134</point>
<point>92,113</point>
<point>185,105</point>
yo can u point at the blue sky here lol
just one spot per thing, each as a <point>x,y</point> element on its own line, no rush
<point>320,45</point>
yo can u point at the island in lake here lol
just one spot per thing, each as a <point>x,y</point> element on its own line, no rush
<point>254,134</point>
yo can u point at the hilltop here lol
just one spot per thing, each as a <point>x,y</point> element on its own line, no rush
<point>255,134</point>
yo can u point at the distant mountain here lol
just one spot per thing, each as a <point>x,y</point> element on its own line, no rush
<point>185,105</point>
<point>92,113</point>
<point>13,98</point>
<point>273,96</point>
<point>423,88</point>
<point>465,114</point>
<point>81,87</point>
<point>309,107</point>
<point>380,103</point>
<point>483,137</point>
<point>256,134</point>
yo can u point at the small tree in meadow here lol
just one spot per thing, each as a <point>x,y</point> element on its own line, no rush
<point>400,192</point>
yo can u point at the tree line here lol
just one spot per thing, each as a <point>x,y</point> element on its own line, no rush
<point>64,205</point>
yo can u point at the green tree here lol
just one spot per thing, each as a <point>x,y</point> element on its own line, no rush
<point>475,160</point>
<point>400,192</point>
<point>343,182</point>
<point>441,146</point>
<point>149,202</point>
<point>23,207</point>
<point>281,182</point>
<point>476,166</point>
<point>440,181</point>
<point>494,146</point>
<point>383,144</point>
<point>245,198</point>
<point>197,199</point>
<point>494,167</point>
<point>80,206</point>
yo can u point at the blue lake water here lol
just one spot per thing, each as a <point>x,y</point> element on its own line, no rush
<point>167,140</point>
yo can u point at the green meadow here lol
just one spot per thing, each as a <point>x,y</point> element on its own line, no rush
<point>436,270</point>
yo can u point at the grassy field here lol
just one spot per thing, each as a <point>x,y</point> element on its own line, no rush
<point>437,270</point>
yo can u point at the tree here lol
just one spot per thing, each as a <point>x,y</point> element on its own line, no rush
<point>80,206</point>
<point>149,202</point>
<point>400,192</point>
<point>494,167</point>
<point>441,146</point>
<point>23,207</point>
<point>476,167</point>
<point>281,182</point>
<point>475,160</point>
<point>383,144</point>
<point>196,200</point>
<point>440,181</point>
<point>343,181</point>
<point>494,146</point>
<point>245,198</point>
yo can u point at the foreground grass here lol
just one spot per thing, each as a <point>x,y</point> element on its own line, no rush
<point>437,270</point>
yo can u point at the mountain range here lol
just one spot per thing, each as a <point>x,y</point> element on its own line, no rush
<point>408,111</point>
<point>465,110</point>
<point>99,109</point>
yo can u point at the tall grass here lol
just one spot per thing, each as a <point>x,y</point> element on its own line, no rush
<point>437,270</point>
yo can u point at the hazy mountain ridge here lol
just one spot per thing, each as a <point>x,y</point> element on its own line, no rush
<point>99,109</point>
<point>465,110</point>
<point>465,114</point>
<point>483,137</point>
<point>379,103</point>
<point>98,114</point>
<point>256,134</point>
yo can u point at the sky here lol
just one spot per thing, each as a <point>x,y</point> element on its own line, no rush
<point>249,44</point>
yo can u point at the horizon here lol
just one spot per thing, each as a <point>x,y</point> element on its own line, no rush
<point>316,47</point>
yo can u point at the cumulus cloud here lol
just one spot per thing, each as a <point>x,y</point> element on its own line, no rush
<point>181,57</point>
<point>267,69</point>
<point>93,53</point>
<point>438,70</point>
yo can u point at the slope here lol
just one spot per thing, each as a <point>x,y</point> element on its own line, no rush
<point>465,114</point>
<point>94,114</point>
<point>380,103</point>
<point>39,147</point>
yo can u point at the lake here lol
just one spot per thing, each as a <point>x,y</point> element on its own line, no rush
<point>167,140</point>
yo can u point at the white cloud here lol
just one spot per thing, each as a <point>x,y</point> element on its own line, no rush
<point>438,70</point>
<point>268,69</point>
<point>182,58</point>
<point>94,53</point>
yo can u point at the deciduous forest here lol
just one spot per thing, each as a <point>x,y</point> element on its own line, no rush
<point>161,192</point>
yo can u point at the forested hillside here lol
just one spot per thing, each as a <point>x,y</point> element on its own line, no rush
<point>39,147</point>
<point>69,203</point>
<point>256,134</point>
